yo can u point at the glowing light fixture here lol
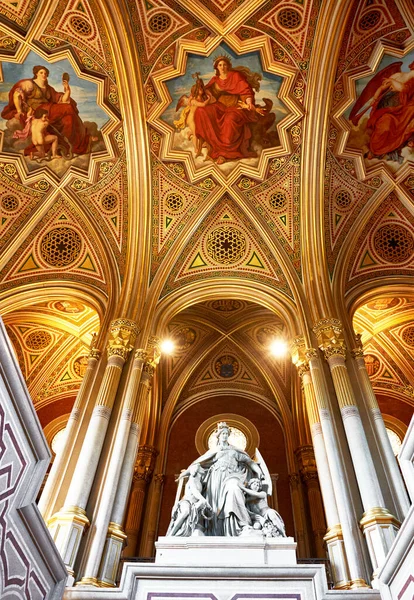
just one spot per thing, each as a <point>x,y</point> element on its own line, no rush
<point>167,347</point>
<point>278,348</point>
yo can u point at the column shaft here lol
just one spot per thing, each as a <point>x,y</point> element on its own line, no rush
<point>391,467</point>
<point>349,525</point>
<point>153,516</point>
<point>57,475</point>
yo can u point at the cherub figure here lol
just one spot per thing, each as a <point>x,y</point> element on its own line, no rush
<point>186,512</point>
<point>198,97</point>
<point>36,127</point>
<point>269,520</point>
<point>40,135</point>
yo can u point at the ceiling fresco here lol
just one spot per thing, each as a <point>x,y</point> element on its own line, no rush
<point>172,145</point>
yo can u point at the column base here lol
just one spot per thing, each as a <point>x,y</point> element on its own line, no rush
<point>88,581</point>
<point>115,541</point>
<point>358,583</point>
<point>66,528</point>
<point>337,556</point>
<point>380,529</point>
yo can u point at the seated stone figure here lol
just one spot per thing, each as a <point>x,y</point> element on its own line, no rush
<point>263,516</point>
<point>186,512</point>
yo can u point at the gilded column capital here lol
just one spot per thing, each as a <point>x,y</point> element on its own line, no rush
<point>122,336</point>
<point>94,353</point>
<point>141,354</point>
<point>330,337</point>
<point>145,462</point>
<point>311,353</point>
<point>298,353</point>
<point>307,464</point>
<point>159,479</point>
<point>358,351</point>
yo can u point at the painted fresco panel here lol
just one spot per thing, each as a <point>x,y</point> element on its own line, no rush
<point>49,115</point>
<point>382,117</point>
<point>228,115</point>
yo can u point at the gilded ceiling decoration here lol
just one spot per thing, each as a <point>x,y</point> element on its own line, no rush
<point>213,189</point>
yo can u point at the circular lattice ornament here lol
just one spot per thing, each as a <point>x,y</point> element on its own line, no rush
<point>369,20</point>
<point>408,335</point>
<point>278,200</point>
<point>343,199</point>
<point>159,23</point>
<point>174,202</point>
<point>289,18</point>
<point>38,340</point>
<point>226,245</point>
<point>80,26</point>
<point>61,247</point>
<point>394,243</point>
<point>9,203</point>
<point>109,202</point>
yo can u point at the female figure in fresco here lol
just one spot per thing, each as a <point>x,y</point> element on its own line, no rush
<point>28,95</point>
<point>223,124</point>
<point>228,469</point>
<point>390,95</point>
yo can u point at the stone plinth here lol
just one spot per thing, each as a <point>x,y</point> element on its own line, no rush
<point>230,551</point>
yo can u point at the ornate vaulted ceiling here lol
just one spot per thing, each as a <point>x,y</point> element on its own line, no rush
<point>306,216</point>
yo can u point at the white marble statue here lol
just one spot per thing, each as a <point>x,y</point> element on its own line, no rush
<point>231,507</point>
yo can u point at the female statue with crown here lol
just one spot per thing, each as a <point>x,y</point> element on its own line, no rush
<point>228,469</point>
<point>223,124</point>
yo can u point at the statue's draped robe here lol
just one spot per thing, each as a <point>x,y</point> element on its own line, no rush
<point>228,467</point>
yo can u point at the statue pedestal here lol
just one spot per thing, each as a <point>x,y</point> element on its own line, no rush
<point>252,551</point>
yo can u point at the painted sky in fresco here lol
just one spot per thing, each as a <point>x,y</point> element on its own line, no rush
<point>82,91</point>
<point>269,86</point>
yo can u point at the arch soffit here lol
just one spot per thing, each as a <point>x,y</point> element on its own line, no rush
<point>277,303</point>
<point>168,422</point>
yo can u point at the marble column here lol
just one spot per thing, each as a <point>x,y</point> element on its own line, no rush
<point>380,527</point>
<point>104,521</point>
<point>298,515</point>
<point>145,363</point>
<point>47,501</point>
<point>333,536</point>
<point>392,470</point>
<point>154,512</point>
<point>68,525</point>
<point>308,472</point>
<point>348,524</point>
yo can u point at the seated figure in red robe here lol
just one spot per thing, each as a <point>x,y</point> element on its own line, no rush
<point>223,125</point>
<point>27,95</point>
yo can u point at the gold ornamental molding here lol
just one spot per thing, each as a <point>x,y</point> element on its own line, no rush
<point>123,333</point>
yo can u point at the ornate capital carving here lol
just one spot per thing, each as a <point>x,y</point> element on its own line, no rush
<point>358,351</point>
<point>311,353</point>
<point>299,358</point>
<point>330,337</point>
<point>141,354</point>
<point>307,463</point>
<point>94,353</point>
<point>153,351</point>
<point>159,479</point>
<point>149,369</point>
<point>122,336</point>
<point>294,479</point>
<point>144,464</point>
